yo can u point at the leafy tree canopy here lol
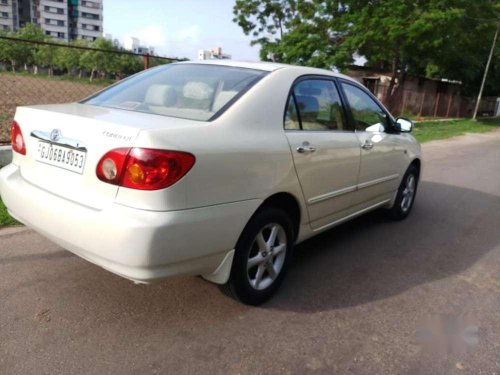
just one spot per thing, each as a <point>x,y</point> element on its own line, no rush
<point>436,38</point>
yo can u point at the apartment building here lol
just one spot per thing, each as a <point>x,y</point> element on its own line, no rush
<point>9,15</point>
<point>61,19</point>
<point>213,54</point>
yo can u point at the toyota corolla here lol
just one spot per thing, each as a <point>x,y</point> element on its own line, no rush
<point>215,169</point>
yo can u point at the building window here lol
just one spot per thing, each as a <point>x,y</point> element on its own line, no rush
<point>60,23</point>
<point>4,14</point>
<point>90,4</point>
<point>90,16</point>
<point>60,35</point>
<point>90,27</point>
<point>4,2</point>
<point>53,10</point>
<point>47,32</point>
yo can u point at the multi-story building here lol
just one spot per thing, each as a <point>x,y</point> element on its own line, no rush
<point>61,19</point>
<point>134,45</point>
<point>214,53</point>
<point>9,15</point>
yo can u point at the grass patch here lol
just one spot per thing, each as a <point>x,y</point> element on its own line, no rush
<point>67,78</point>
<point>5,218</point>
<point>432,130</point>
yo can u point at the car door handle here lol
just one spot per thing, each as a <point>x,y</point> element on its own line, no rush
<point>305,149</point>
<point>368,145</point>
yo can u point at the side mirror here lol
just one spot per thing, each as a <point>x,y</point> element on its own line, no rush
<point>404,125</point>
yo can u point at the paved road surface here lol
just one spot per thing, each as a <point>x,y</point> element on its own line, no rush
<point>370,297</point>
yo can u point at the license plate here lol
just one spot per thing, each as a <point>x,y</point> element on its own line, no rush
<point>61,156</point>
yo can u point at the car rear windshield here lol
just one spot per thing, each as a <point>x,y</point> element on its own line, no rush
<point>189,91</point>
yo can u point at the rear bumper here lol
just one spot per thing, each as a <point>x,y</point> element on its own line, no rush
<point>136,244</point>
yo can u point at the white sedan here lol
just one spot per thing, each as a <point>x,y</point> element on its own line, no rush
<point>214,169</point>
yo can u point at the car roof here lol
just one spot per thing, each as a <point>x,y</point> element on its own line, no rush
<point>269,67</point>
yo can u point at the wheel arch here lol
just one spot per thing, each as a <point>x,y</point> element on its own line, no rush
<point>418,164</point>
<point>288,203</point>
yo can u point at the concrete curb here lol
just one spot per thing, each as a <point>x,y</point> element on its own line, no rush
<point>5,155</point>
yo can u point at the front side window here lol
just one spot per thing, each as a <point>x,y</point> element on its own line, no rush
<point>189,91</point>
<point>367,114</point>
<point>319,105</point>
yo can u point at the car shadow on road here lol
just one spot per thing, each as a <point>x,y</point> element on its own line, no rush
<point>372,258</point>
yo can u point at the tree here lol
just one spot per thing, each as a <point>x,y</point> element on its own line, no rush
<point>99,61</point>
<point>437,38</point>
<point>24,53</point>
<point>68,58</point>
<point>46,55</point>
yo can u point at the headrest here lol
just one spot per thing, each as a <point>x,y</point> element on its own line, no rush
<point>160,95</point>
<point>222,99</point>
<point>307,103</point>
<point>309,90</point>
<point>197,91</point>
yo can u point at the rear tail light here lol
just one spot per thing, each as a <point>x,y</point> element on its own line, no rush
<point>17,139</point>
<point>144,168</point>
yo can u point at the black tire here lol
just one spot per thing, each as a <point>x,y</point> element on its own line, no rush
<point>401,211</point>
<point>240,285</point>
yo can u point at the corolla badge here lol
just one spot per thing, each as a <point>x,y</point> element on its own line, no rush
<point>55,135</point>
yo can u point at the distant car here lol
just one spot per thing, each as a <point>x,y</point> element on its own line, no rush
<point>214,169</point>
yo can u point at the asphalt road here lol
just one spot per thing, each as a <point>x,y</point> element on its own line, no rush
<point>369,297</point>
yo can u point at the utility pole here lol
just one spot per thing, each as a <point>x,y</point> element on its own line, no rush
<point>486,72</point>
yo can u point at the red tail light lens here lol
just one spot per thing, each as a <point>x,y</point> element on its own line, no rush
<point>144,168</point>
<point>17,139</point>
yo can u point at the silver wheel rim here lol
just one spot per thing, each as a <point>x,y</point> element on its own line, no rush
<point>408,193</point>
<point>266,256</point>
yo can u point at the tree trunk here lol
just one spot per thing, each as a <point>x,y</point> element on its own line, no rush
<point>13,64</point>
<point>394,91</point>
<point>92,74</point>
<point>35,69</point>
<point>392,83</point>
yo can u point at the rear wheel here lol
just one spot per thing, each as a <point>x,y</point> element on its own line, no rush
<point>406,194</point>
<point>262,256</point>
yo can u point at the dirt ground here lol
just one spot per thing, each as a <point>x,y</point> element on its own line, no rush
<point>24,90</point>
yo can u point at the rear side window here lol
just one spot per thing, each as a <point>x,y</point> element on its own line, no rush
<point>291,115</point>
<point>190,91</point>
<point>318,105</point>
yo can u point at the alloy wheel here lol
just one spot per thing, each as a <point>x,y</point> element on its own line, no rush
<point>267,256</point>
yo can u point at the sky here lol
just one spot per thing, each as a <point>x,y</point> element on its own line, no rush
<point>179,28</point>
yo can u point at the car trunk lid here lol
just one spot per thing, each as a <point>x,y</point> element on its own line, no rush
<point>74,130</point>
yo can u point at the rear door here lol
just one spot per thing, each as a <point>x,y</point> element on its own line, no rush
<point>381,154</point>
<point>325,151</point>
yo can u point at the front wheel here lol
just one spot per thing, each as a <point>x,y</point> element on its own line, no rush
<point>262,255</point>
<point>406,194</point>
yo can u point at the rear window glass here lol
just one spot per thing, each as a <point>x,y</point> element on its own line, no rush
<point>189,91</point>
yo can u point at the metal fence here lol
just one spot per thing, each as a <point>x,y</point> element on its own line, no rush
<point>39,72</point>
<point>431,104</point>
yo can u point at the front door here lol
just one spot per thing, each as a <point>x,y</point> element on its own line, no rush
<point>381,159</point>
<point>326,153</point>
